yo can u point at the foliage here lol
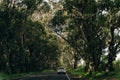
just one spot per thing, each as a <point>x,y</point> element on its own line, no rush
<point>86,26</point>
<point>24,44</point>
<point>97,75</point>
<point>82,26</point>
<point>77,72</point>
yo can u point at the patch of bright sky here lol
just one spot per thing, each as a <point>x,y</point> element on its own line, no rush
<point>52,0</point>
<point>118,56</point>
<point>46,0</point>
<point>104,12</point>
<point>106,53</point>
<point>117,32</point>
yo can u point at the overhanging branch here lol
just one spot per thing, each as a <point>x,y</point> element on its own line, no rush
<point>71,44</point>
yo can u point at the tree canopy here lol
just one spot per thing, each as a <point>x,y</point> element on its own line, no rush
<point>87,25</point>
<point>37,34</point>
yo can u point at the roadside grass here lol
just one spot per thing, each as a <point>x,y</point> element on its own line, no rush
<point>96,75</point>
<point>4,76</point>
<point>110,76</point>
<point>79,72</point>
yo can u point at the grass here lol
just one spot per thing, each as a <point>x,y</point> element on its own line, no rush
<point>98,75</point>
<point>12,76</point>
<point>4,76</point>
<point>77,71</point>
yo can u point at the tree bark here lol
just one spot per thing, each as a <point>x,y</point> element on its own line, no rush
<point>112,54</point>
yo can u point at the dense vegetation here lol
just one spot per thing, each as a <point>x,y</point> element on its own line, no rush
<point>89,27</point>
<point>73,29</point>
<point>24,44</point>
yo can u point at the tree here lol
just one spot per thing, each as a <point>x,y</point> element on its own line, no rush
<point>112,9</point>
<point>82,22</point>
<point>24,44</point>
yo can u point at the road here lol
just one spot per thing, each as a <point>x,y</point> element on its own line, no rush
<point>49,76</point>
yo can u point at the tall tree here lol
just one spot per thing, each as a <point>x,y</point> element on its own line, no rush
<point>112,11</point>
<point>82,22</point>
<point>24,44</point>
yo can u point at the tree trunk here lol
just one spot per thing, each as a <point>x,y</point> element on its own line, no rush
<point>76,61</point>
<point>75,64</point>
<point>86,66</point>
<point>112,54</point>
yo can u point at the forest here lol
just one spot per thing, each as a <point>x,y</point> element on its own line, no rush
<point>37,35</point>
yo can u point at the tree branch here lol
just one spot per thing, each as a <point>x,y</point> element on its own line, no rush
<point>71,44</point>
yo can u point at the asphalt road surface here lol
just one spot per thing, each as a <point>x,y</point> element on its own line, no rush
<point>50,76</point>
